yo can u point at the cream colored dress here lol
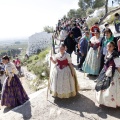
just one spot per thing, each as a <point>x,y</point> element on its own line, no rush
<point>111,96</point>
<point>63,84</point>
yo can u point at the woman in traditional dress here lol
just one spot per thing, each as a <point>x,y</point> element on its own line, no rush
<point>92,61</point>
<point>102,50</point>
<point>63,82</point>
<point>13,93</point>
<point>108,94</point>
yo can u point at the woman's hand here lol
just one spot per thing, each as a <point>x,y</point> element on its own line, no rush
<point>9,83</point>
<point>98,55</point>
<point>51,58</point>
<point>9,80</point>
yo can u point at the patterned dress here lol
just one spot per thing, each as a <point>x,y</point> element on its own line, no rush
<point>111,96</point>
<point>63,84</point>
<point>13,95</point>
<point>92,62</point>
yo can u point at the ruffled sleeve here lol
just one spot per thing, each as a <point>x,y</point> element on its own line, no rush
<point>117,62</point>
<point>11,69</point>
<point>68,58</point>
<point>55,57</point>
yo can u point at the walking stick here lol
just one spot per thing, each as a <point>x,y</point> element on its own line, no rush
<point>49,76</point>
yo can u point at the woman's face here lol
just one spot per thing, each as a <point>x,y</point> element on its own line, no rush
<point>62,50</point>
<point>71,35</point>
<point>110,47</point>
<point>97,34</point>
<point>4,61</point>
<point>107,34</point>
<point>87,34</point>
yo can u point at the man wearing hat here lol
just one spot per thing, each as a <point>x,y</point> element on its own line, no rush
<point>84,47</point>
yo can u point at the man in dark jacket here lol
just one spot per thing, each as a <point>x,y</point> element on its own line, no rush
<point>70,43</point>
<point>76,32</point>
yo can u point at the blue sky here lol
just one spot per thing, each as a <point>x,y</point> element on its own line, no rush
<point>22,18</point>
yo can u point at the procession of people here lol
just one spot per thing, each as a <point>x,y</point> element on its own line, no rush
<point>98,54</point>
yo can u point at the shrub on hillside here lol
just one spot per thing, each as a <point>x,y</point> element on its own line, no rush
<point>89,11</point>
<point>36,58</point>
<point>92,21</point>
<point>29,61</point>
<point>111,19</point>
<point>40,68</point>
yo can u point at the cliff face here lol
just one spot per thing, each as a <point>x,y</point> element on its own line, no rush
<point>39,41</point>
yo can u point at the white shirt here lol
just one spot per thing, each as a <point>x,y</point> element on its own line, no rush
<point>117,62</point>
<point>63,35</point>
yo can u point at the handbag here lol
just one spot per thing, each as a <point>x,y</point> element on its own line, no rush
<point>103,81</point>
<point>103,84</point>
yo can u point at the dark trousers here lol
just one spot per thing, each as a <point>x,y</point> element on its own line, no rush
<point>78,57</point>
<point>1,86</point>
<point>119,53</point>
<point>69,52</point>
<point>102,62</point>
<point>82,61</point>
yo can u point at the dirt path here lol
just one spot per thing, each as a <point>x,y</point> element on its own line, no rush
<point>26,86</point>
<point>26,83</point>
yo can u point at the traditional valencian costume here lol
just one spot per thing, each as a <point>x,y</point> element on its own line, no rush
<point>63,84</point>
<point>92,62</point>
<point>108,85</point>
<point>13,95</point>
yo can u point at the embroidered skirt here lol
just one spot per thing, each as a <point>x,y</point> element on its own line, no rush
<point>13,95</point>
<point>92,63</point>
<point>62,83</point>
<point>111,96</point>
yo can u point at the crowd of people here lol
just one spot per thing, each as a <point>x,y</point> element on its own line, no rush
<point>98,54</point>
